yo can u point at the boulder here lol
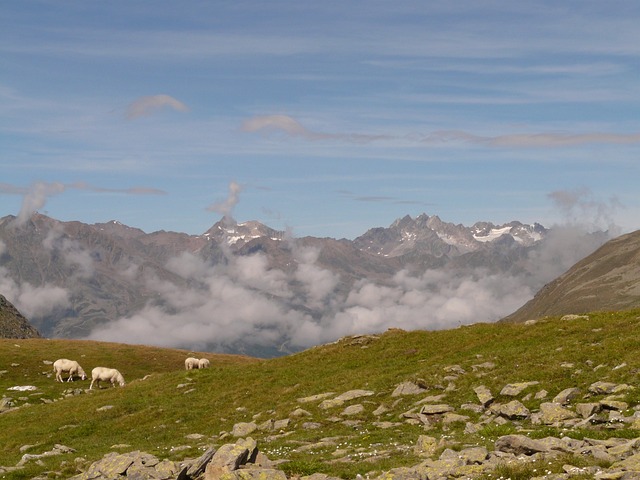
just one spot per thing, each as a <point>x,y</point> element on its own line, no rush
<point>484,395</point>
<point>551,413</point>
<point>519,445</point>
<point>243,429</point>
<point>408,388</point>
<point>226,459</point>
<point>514,410</point>
<point>565,396</point>
<point>515,389</point>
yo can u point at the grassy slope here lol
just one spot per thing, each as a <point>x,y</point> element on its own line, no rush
<point>155,415</point>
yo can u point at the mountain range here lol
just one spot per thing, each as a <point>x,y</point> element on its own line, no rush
<point>248,288</point>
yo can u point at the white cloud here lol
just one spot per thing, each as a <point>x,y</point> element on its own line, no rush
<point>32,301</point>
<point>226,206</point>
<point>244,302</point>
<point>72,252</point>
<point>145,106</point>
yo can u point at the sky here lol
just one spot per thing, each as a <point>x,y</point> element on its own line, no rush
<point>322,118</point>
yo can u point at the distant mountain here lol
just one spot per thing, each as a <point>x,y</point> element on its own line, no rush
<point>606,280</point>
<point>83,278</point>
<point>13,324</point>
<point>433,236</point>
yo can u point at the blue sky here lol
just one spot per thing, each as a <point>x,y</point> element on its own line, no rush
<point>325,118</point>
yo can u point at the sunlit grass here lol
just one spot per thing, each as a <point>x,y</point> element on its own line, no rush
<point>162,403</point>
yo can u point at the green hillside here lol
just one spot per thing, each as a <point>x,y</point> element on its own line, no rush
<point>176,414</point>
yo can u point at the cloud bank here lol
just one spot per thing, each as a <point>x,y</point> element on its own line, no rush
<point>244,303</point>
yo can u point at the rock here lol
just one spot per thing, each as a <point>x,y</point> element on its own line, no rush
<point>314,398</point>
<point>408,388</point>
<point>380,410</point>
<point>566,395</point>
<point>197,467</point>
<point>341,399</point>
<point>551,413</point>
<point>226,459</point>
<point>573,316</point>
<point>519,445</point>
<point>243,429</point>
<point>540,395</point>
<point>484,395</point>
<point>484,366</point>
<point>473,455</point>
<point>353,410</point>
<point>585,410</point>
<point>425,446</point>
<point>607,404</point>
<point>254,474</point>
<point>514,410</point>
<point>455,369</point>
<point>435,409</point>
<point>299,412</point>
<point>56,450</point>
<point>515,389</point>
<point>600,388</point>
<point>450,418</point>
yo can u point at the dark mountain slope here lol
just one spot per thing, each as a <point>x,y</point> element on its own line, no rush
<point>13,324</point>
<point>608,279</point>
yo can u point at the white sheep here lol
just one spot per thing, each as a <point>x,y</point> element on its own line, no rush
<point>103,374</point>
<point>203,363</point>
<point>64,365</point>
<point>191,363</point>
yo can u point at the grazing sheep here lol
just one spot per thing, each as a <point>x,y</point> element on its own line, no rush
<point>191,363</point>
<point>103,374</point>
<point>64,365</point>
<point>203,363</point>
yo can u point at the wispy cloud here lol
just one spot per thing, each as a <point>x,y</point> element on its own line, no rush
<point>225,207</point>
<point>293,128</point>
<point>145,106</point>
<point>289,126</point>
<point>582,208</point>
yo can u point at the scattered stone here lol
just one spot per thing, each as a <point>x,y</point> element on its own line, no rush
<point>455,369</point>
<point>380,410</point>
<point>551,413</point>
<point>573,316</point>
<point>515,389</point>
<point>56,450</point>
<point>484,395</point>
<point>243,429</point>
<point>425,446</point>
<point>353,410</point>
<point>408,388</point>
<point>314,398</point>
<point>514,410</point>
<point>566,396</point>
<point>600,388</point>
<point>299,412</point>
<point>435,409</point>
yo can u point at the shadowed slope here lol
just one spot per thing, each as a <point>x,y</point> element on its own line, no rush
<point>608,279</point>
